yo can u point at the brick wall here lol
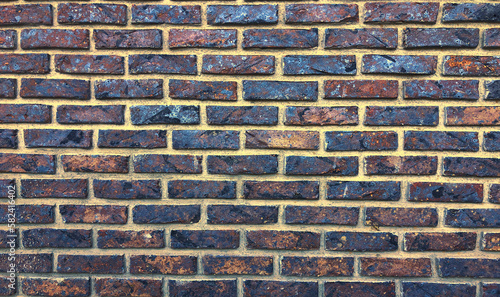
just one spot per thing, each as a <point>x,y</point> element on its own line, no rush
<point>232,148</point>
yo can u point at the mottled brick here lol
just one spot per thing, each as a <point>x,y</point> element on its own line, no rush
<point>441,141</point>
<point>272,139</point>
<point>440,37</point>
<point>26,14</point>
<point>56,287</point>
<point>494,195</point>
<point>166,14</point>
<point>132,139</point>
<point>203,90</point>
<point>473,218</point>
<point>333,166</point>
<point>491,290</point>
<point>206,139</point>
<point>402,116</point>
<point>235,65</point>
<point>471,12</point>
<point>298,115</point>
<point>242,115</point>
<point>471,65</point>
<point>282,240</point>
<point>6,186</point>
<point>204,288</point>
<point>354,190</point>
<point>401,217</point>
<point>491,242</point>
<point>90,264</point>
<point>463,166</point>
<point>442,89</point>
<point>242,214</point>
<point>129,89</point>
<point>280,90</point>
<point>55,88</point>
<point>5,290</point>
<point>54,188</point>
<point>383,38</point>
<point>321,215</point>
<point>27,263</point>
<point>25,113</point>
<point>94,214</point>
<point>324,65</point>
<point>8,138</point>
<point>91,13</point>
<point>242,14</point>
<point>166,214</point>
<point>9,238</point>
<point>280,38</point>
<point>268,190</point>
<point>321,13</point>
<point>8,40</point>
<point>113,287</point>
<point>459,241</point>
<point>153,163</point>
<point>399,64</point>
<point>91,114</point>
<point>95,163</point>
<point>205,239</point>
<point>127,189</point>
<point>191,38</point>
<point>360,289</point>
<point>201,189</point>
<point>164,114</point>
<point>264,288</point>
<point>24,63</point>
<point>128,39</point>
<point>475,268</point>
<point>108,239</point>
<point>472,116</point>
<point>55,38</point>
<point>492,89</point>
<point>237,265</point>
<point>491,141</point>
<point>153,264</point>
<point>57,238</point>
<point>361,89</point>
<point>361,241</point>
<point>396,165</point>
<point>162,64</point>
<point>404,12</point>
<point>445,192</point>
<point>317,266</point>
<point>491,38</point>
<point>235,165</point>
<point>89,64</point>
<point>361,141</point>
<point>396,267</point>
<point>415,289</point>
<point>27,214</point>
<point>27,163</point>
<point>8,86</point>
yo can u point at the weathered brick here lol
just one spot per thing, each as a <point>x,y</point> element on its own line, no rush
<point>473,218</point>
<point>445,192</point>
<point>321,215</point>
<point>6,188</point>
<point>132,139</point>
<point>55,38</point>
<point>472,116</point>
<point>166,214</point>
<point>402,115</point>
<point>55,88</point>
<point>459,241</point>
<point>10,238</point>
<point>127,189</point>
<point>491,242</point>
<point>415,289</point>
<point>360,289</point>
<point>203,90</point>
<point>396,267</point>
<point>298,115</point>
<point>57,238</point>
<point>229,64</point>
<point>317,266</point>
<point>205,239</point>
<point>471,65</point>
<point>24,63</point>
<point>440,37</point>
<point>237,265</point>
<point>280,90</point>
<point>471,12</point>
<point>95,163</point>
<point>361,89</point>
<point>235,165</point>
<point>263,288</point>
<point>94,214</point>
<point>153,163</point>
<point>27,214</point>
<point>8,86</point>
<point>490,290</point>
<point>242,115</point>
<point>242,14</point>
<point>26,14</point>
<point>128,39</point>
<point>27,263</point>
<point>166,14</point>
<point>8,40</point>
<point>321,13</point>
<point>282,240</point>
<point>54,188</point>
<point>186,38</point>
<point>129,89</point>
<point>5,290</point>
<point>56,287</point>
<point>27,163</point>
<point>324,65</point>
<point>441,141</point>
<point>113,287</point>
<point>386,38</point>
<point>280,38</point>
<point>361,141</point>
<point>242,214</point>
<point>395,165</point>
<point>108,239</point>
<point>267,190</point>
<point>89,64</point>
<point>491,38</point>
<point>492,89</point>
<point>164,114</point>
<point>177,265</point>
<point>8,138</point>
<point>91,13</point>
<point>269,139</point>
<point>399,64</point>
<point>201,189</point>
<point>225,288</point>
<point>90,264</point>
<point>162,64</point>
<point>333,166</point>
<point>442,89</point>
<point>494,196</point>
<point>475,268</point>
<point>462,166</point>
<point>91,114</point>
<point>361,241</point>
<point>401,217</point>
<point>374,190</point>
<point>205,139</point>
<point>404,12</point>
<point>25,113</point>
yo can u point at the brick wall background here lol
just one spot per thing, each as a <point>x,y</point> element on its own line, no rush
<point>232,148</point>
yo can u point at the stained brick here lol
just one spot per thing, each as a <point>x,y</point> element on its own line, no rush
<point>113,287</point>
<point>445,192</point>
<point>384,38</point>
<point>280,90</point>
<point>164,114</point>
<point>152,264</point>
<point>361,241</point>
<point>491,141</point>
<point>321,215</point>
<point>491,38</point>
<point>25,113</point>
<point>27,214</point>
<point>228,64</point>
<point>361,89</point>
<point>205,239</point>
<point>441,141</point>
<point>201,189</point>
<point>360,289</point>
<point>162,64</point>
<point>492,90</point>
<point>89,64</point>
<point>6,186</point>
<point>26,14</point>
<point>128,39</point>
<point>463,166</point>
<point>242,14</point>
<point>24,63</point>
<point>56,287</point>
<point>55,38</point>
<point>10,238</point>
<point>459,241</point>
<point>130,239</point>
<point>90,264</point>
<point>475,268</point>
<point>8,86</point>
<point>321,13</point>
<point>94,214</point>
<point>27,163</point>
<point>55,88</point>
<point>494,196</point>
<point>374,190</point>
<point>399,64</point>
<point>27,263</point>
<point>269,139</point>
<point>179,288</point>
<point>8,40</point>
<point>471,12</point>
<point>333,166</point>
<point>91,114</point>
<point>285,190</point>
<point>57,238</point>
<point>54,188</point>
<point>235,165</point>
<point>404,12</point>
<point>325,65</point>
<point>473,116</point>
<point>491,242</point>
<point>280,38</point>
<point>263,288</point>
<point>317,266</point>
<point>91,13</point>
<point>490,290</point>
<point>95,163</point>
<point>206,139</point>
<point>395,165</point>
<point>166,14</point>
<point>234,265</point>
<point>471,65</point>
<point>297,115</point>
<point>242,115</point>
<point>132,139</point>
<point>153,163</point>
<point>402,115</point>
<point>415,289</point>
<point>361,141</point>
<point>242,214</point>
<point>185,38</point>
<point>8,138</point>
<point>282,240</point>
<point>473,218</point>
<point>5,290</point>
<point>442,89</point>
<point>125,189</point>
<point>396,267</point>
<point>203,90</point>
<point>129,89</point>
<point>401,217</point>
<point>166,214</point>
<point>440,37</point>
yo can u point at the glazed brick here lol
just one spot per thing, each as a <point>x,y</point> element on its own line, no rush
<point>8,86</point>
<point>89,64</point>
<point>25,113</point>
<point>333,166</point>
<point>473,218</point>
<point>402,115</point>
<point>475,268</point>
<point>441,141</point>
<point>361,89</point>
<point>479,167</point>
<point>471,65</point>
<point>57,238</point>
<point>24,63</point>
<point>55,88</point>
<point>127,189</point>
<point>91,13</point>
<point>492,90</point>
<point>399,64</point>
<point>415,289</point>
<point>490,290</point>
<point>55,38</point>
<point>205,239</point>
<point>280,90</point>
<point>206,139</point>
<point>445,192</point>
<point>491,242</point>
<point>361,141</point>
<point>27,163</point>
<point>28,214</point>
<point>395,165</point>
<point>242,214</point>
<point>108,239</point>
<point>401,217</point>
<point>242,14</point>
<point>234,265</point>
<point>28,263</point>
<point>268,190</point>
<point>491,38</point>
<point>459,241</point>
<point>128,39</point>
<point>491,141</point>
<point>321,215</point>
<point>442,89</point>
<point>132,139</point>
<point>176,265</point>
<point>301,116</point>
<point>360,289</point>
<point>228,64</point>
<point>440,37</point>
<point>113,287</point>
<point>471,12</point>
<point>56,287</point>
<point>317,266</point>
<point>164,114</point>
<point>396,267</point>
<point>223,288</point>
<point>374,190</point>
<point>188,189</point>
<point>280,38</point>
<point>324,65</point>
<point>166,14</point>
<point>129,89</point>
<point>91,114</point>
<point>269,139</point>
<point>321,13</point>
<point>236,165</point>
<point>179,38</point>
<point>282,240</point>
<point>404,12</point>
<point>90,264</point>
<point>203,90</point>
<point>8,40</point>
<point>54,188</point>
<point>473,116</point>
<point>95,163</point>
<point>494,196</point>
<point>94,214</point>
<point>153,163</point>
<point>242,115</point>
<point>361,241</point>
<point>27,14</point>
<point>166,214</point>
<point>8,138</point>
<point>383,38</point>
<point>162,64</point>
<point>263,288</point>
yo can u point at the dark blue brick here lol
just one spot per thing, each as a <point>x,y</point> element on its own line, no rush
<point>492,90</point>
<point>479,167</point>
<point>354,190</point>
<point>242,115</point>
<point>242,14</point>
<point>326,65</point>
<point>397,64</point>
<point>300,165</point>
<point>205,139</point>
<point>360,241</point>
<point>280,90</point>
<point>416,289</point>
<point>162,64</point>
<point>280,38</point>
<point>402,116</point>
<point>166,14</point>
<point>471,12</point>
<point>55,88</point>
<point>441,141</point>
<point>165,114</point>
<point>492,141</point>
<point>440,37</point>
<point>361,141</point>
<point>442,89</point>
<point>8,138</point>
<point>8,87</point>
<point>473,218</point>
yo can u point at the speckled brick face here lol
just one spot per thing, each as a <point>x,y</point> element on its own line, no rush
<point>250,148</point>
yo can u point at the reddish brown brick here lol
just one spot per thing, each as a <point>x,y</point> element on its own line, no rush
<point>473,116</point>
<point>204,239</point>
<point>459,241</point>
<point>360,289</point>
<point>491,242</point>
<point>321,116</point>
<point>317,266</point>
<point>152,264</point>
<point>56,287</point>
<point>167,163</point>
<point>445,192</point>
<point>24,63</point>
<point>471,65</point>
<point>386,38</point>
<point>27,14</point>
<point>361,241</point>
<point>91,13</point>
<point>396,267</point>
<point>404,12</point>
<point>55,88</point>
<point>269,139</point>
<point>186,38</point>
<point>268,190</point>
<point>8,39</point>
<point>166,214</point>
<point>241,214</point>
<point>162,64</point>
<point>55,38</point>
<point>226,64</point>
<point>401,217</point>
<point>128,39</point>
<point>234,265</point>
<point>361,89</point>
<point>129,89</point>
<point>90,264</point>
<point>127,189</point>
<point>27,263</point>
<point>321,215</point>
<point>25,113</point>
<point>91,114</point>
<point>264,288</point>
<point>54,188</point>
<point>203,90</point>
<point>95,163</point>
<point>395,165</point>
<point>182,288</point>
<point>282,240</point>
<point>89,64</point>
<point>117,287</point>
<point>108,239</point>
<point>473,268</point>
<point>202,189</point>
<point>166,14</point>
<point>321,13</point>
<point>27,163</point>
<point>57,238</point>
<point>58,138</point>
<point>94,214</point>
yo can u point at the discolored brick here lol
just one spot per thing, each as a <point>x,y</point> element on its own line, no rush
<point>321,65</point>
<point>27,263</point>
<point>361,141</point>
<point>152,264</point>
<point>153,163</point>
<point>269,139</point>
<point>206,139</point>
<point>268,190</point>
<point>361,89</point>
<point>10,238</point>
<point>242,14</point>
<point>235,165</point>
<point>263,288</point>
<point>26,14</point>
<point>128,39</point>
<point>25,113</point>
<point>491,38</point>
<point>494,195</point>
<point>282,240</point>
<point>471,65</point>
<point>89,64</point>
<point>490,290</point>
<point>237,265</point>
<point>166,214</point>
<point>27,214</point>
<point>473,218</point>
<point>27,163</point>
<point>191,38</point>
<point>6,186</point>
<point>8,138</point>
<point>361,241</point>
<point>463,166</point>
<point>471,12</point>
<point>90,264</point>
<point>442,89</point>
<point>57,238</point>
<point>401,116</point>
<point>235,65</point>
<point>280,90</point>
<point>95,163</point>
<point>491,141</point>
<point>54,188</point>
<point>321,215</point>
<point>162,64</point>
<point>205,239</point>
<point>280,38</point>
<point>55,38</point>
<point>475,268</point>
<point>416,289</point>
<point>440,37</point>
<point>56,287</point>
<point>113,287</point>
<point>354,190</point>
<point>297,115</point>
<point>459,241</point>
<point>396,267</point>
<point>399,64</point>
<point>396,165</point>
<point>91,13</point>
<point>472,116</point>
<point>321,13</point>
<point>201,189</point>
<point>24,63</point>
<point>55,88</point>
<point>317,266</point>
<point>441,141</point>
<point>242,115</point>
<point>203,90</point>
<point>127,189</point>
<point>94,214</point>
<point>109,239</point>
<point>491,242</point>
<point>8,86</point>
<point>445,192</point>
<point>91,114</point>
<point>8,40</point>
<point>333,166</point>
<point>242,214</point>
<point>5,290</point>
<point>132,139</point>
<point>383,38</point>
<point>203,288</point>
<point>164,114</point>
<point>360,289</point>
<point>404,12</point>
<point>401,217</point>
<point>166,14</point>
<point>129,89</point>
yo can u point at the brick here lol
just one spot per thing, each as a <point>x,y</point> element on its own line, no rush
<point>57,238</point>
<point>55,88</point>
<point>9,239</point>
<point>132,139</point>
<point>153,163</point>
<point>354,190</point>
<point>55,38</point>
<point>396,267</point>
<point>162,64</point>
<point>317,266</point>
<point>471,65</point>
<point>95,163</point>
<point>383,38</point>
<point>27,14</point>
<point>472,116</point>
<point>269,139</point>
<point>361,89</point>
<point>361,241</point>
<point>91,13</point>
<point>6,186</point>
<point>262,288</point>
<point>166,214</point>
<point>174,265</point>
<point>401,217</point>
<point>361,141</point>
<point>8,86</point>
<point>332,166</point>
<point>90,264</point>
<point>402,116</point>
<point>8,138</point>
<point>321,13</point>
<point>471,12</point>
<point>492,89</point>
<point>129,89</point>
<point>27,214</point>
<point>205,139</point>
<point>27,163</point>
<point>476,268</point>
<point>321,215</point>
<point>24,63</point>
<point>490,290</point>
<point>56,287</point>
<point>324,65</point>
<point>27,263</point>
<point>236,165</point>
<point>242,14</point>
<point>280,90</point>
<point>442,89</point>
<point>113,287</point>
<point>25,113</point>
<point>491,242</point>
<point>179,38</point>
<point>5,290</point>
<point>282,240</point>
<point>108,239</point>
<point>395,165</point>
<point>399,64</point>
<point>494,196</point>
<point>166,14</point>
<point>440,37</point>
<point>241,214</point>
<point>54,188</point>
<point>297,115</point>
<point>242,115</point>
<point>205,239</point>
<point>164,114</point>
<point>94,214</point>
<point>234,265</point>
<point>491,141</point>
<point>128,39</point>
<point>473,218</point>
<point>445,192</point>
<point>225,288</point>
<point>360,289</point>
<point>459,241</point>
<point>479,167</point>
<point>127,189</point>
<point>8,40</point>
<point>415,289</point>
<point>235,65</point>
<point>91,114</point>
<point>89,64</point>
<point>280,38</point>
<point>268,190</point>
<point>404,12</point>
<point>202,189</point>
<point>491,38</point>
<point>203,90</point>
<point>441,141</point>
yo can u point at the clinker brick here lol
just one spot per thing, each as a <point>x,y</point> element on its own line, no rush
<point>25,63</point>
<point>282,240</point>
<point>55,38</point>
<point>374,190</point>
<point>301,116</point>
<point>108,239</point>
<point>113,287</point>
<point>321,215</point>
<point>242,14</point>
<point>361,89</point>
<point>132,139</point>
<point>91,13</point>
<point>25,113</point>
<point>360,289</point>
<point>479,167</point>
<point>442,89</point>
<point>206,139</point>
<point>415,289</point>
<point>95,163</point>
<point>8,86</point>
<point>203,90</point>
<point>56,287</point>
<point>181,288</point>
<point>55,88</point>
<point>129,89</point>
<point>404,12</point>
<point>153,163</point>
<point>28,214</point>
<point>236,165</point>
<point>320,65</point>
<point>471,12</point>
<point>242,214</point>
<point>164,114</point>
<point>398,64</point>
<point>396,267</point>
<point>235,65</point>
<point>205,239</point>
<point>317,266</point>
<point>402,116</point>
<point>27,163</point>
<point>491,141</point>
<point>473,116</point>
<point>8,138</point>
<point>361,141</point>
<point>242,115</point>
<point>475,268</point>
<point>490,290</point>
<point>441,141</point>
<point>234,265</point>
<point>280,90</point>
<point>152,264</point>
<point>491,38</point>
<point>321,13</point>
<point>89,64</point>
<point>269,139</point>
<point>360,241</point>
<point>285,190</point>
<point>54,188</point>
<point>26,14</point>
<point>280,38</point>
<point>90,264</point>
<point>473,218</point>
<point>128,39</point>
<point>333,166</point>
<point>460,241</point>
<point>445,192</point>
<point>384,38</point>
<point>125,189</point>
<point>166,214</point>
<point>166,14</point>
<point>184,38</point>
<point>91,114</point>
<point>440,37</point>
<point>57,238</point>
<point>27,263</point>
<point>471,65</point>
<point>401,217</point>
<point>162,64</point>
<point>395,165</point>
<point>8,40</point>
<point>494,196</point>
<point>94,214</point>
<point>491,242</point>
<point>201,189</point>
<point>264,288</point>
